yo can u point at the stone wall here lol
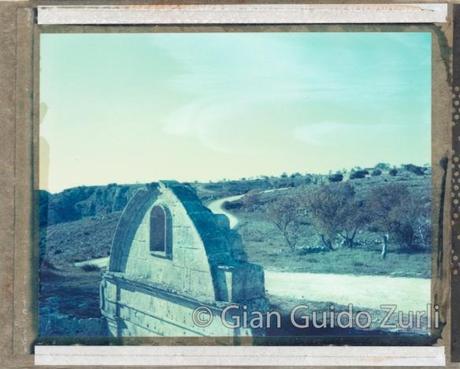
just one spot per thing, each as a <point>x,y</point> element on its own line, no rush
<point>146,294</point>
<point>134,308</point>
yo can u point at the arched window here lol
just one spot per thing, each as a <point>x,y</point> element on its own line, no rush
<point>160,231</point>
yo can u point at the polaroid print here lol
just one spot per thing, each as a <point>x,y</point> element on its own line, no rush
<point>213,187</point>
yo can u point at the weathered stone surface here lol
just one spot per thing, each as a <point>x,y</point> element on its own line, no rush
<point>148,292</point>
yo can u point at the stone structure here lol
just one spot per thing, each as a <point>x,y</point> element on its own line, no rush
<point>171,255</point>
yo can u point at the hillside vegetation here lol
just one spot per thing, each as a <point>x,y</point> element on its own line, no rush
<point>277,220</point>
<point>373,226</point>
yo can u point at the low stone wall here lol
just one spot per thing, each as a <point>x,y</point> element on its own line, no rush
<point>151,311</point>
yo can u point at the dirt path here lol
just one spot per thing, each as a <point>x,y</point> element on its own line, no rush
<point>217,207</point>
<point>99,262</point>
<point>409,294</point>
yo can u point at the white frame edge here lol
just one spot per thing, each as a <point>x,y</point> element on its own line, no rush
<point>241,355</point>
<point>244,14</point>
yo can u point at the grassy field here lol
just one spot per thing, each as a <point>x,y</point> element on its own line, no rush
<point>271,252</point>
<point>265,245</point>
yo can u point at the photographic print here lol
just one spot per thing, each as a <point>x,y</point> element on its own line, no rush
<point>230,184</point>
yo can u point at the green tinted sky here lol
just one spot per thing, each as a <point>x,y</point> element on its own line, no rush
<point>142,107</point>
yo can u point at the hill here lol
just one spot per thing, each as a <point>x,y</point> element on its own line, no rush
<point>78,223</point>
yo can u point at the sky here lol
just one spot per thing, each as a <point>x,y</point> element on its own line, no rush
<point>127,108</point>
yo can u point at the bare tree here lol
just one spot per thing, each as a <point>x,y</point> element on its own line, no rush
<point>284,212</point>
<point>397,212</point>
<point>382,202</point>
<point>335,213</point>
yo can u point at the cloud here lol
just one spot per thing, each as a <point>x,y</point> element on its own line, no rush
<point>331,134</point>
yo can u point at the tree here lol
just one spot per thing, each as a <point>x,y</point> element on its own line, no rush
<point>335,213</point>
<point>284,213</point>
<point>381,202</point>
<point>411,223</point>
<point>398,213</point>
<point>376,172</point>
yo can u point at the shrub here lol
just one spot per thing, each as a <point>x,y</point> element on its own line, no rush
<point>337,177</point>
<point>89,267</point>
<point>251,200</point>
<point>420,171</point>
<point>361,173</point>
<point>229,205</point>
<point>393,172</point>
<point>376,172</point>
